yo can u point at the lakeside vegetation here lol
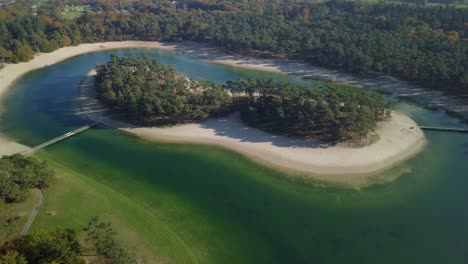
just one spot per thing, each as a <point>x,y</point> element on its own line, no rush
<point>422,44</point>
<point>73,196</point>
<point>146,91</point>
<point>20,173</point>
<point>63,246</point>
<point>58,246</point>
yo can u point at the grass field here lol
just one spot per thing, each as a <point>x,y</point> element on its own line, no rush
<point>76,199</point>
<point>216,237</point>
<point>72,15</point>
<point>14,216</point>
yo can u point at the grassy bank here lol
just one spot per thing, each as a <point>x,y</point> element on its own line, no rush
<point>75,199</point>
<point>228,208</point>
<point>14,216</point>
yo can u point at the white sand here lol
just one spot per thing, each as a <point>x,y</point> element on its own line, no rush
<point>8,147</point>
<point>339,164</point>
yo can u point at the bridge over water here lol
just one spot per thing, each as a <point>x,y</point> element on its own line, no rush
<point>60,138</point>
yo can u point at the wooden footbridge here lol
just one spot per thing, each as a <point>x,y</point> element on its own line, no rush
<point>63,137</point>
<point>445,129</point>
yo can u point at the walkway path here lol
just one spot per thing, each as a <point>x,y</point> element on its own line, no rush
<point>63,137</point>
<point>35,211</point>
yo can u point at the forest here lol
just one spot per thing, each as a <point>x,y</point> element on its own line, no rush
<point>146,91</point>
<point>423,44</point>
<point>336,112</point>
<point>149,92</point>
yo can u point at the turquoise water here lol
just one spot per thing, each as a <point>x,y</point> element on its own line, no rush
<point>232,210</point>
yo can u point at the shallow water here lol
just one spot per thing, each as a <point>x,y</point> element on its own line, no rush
<point>232,210</point>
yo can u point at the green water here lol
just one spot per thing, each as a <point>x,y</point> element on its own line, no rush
<point>232,210</point>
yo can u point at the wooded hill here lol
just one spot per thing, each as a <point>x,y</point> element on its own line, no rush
<point>148,92</point>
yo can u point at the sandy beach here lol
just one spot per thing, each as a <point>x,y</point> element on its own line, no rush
<point>399,138</point>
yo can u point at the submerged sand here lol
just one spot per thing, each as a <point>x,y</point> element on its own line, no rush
<point>400,138</point>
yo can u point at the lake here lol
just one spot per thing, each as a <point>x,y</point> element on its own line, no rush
<point>232,210</point>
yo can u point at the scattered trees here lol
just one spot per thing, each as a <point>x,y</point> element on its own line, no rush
<point>63,246</point>
<point>104,239</point>
<point>58,246</point>
<point>19,173</point>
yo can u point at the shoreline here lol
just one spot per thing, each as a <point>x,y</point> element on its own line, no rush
<point>357,174</point>
<point>399,140</point>
<point>10,73</point>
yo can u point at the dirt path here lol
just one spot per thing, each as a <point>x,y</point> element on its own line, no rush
<point>34,212</point>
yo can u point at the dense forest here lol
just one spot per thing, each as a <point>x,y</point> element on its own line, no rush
<point>149,92</point>
<point>19,173</point>
<point>423,44</point>
<point>336,112</point>
<point>63,246</point>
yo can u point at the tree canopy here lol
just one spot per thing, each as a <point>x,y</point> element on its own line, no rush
<point>43,247</point>
<point>104,239</point>
<point>147,91</point>
<point>335,112</point>
<point>19,173</point>
<point>63,246</point>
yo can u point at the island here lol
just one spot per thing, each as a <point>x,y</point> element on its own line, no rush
<point>339,133</point>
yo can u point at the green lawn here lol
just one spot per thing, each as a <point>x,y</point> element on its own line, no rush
<point>72,15</point>
<point>76,199</point>
<point>14,216</point>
